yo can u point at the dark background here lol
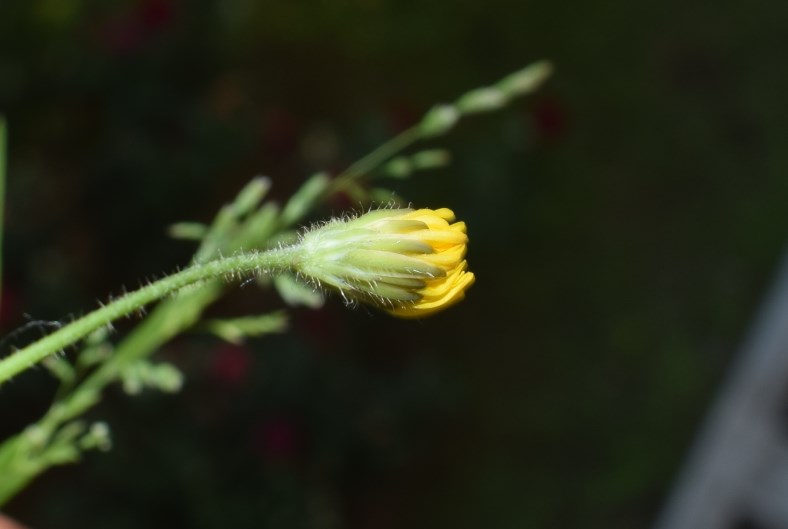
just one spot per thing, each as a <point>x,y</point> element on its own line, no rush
<point>624,223</point>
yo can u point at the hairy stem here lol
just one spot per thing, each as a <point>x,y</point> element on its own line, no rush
<point>271,261</point>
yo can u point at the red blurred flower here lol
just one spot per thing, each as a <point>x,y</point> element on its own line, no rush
<point>551,117</point>
<point>280,134</point>
<point>276,440</point>
<point>155,14</point>
<point>9,306</point>
<point>129,31</point>
<point>231,363</point>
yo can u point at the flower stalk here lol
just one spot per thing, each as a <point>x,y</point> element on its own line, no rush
<point>271,261</point>
<point>407,262</point>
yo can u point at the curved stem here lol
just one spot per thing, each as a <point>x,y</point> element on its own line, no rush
<point>271,261</point>
<point>375,158</point>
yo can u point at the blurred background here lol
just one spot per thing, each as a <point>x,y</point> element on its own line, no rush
<point>625,222</point>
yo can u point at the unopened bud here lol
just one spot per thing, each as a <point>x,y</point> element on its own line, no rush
<point>410,263</point>
<point>481,100</point>
<point>526,80</point>
<point>439,120</point>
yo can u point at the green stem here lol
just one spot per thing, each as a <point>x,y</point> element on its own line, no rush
<point>271,261</point>
<point>372,160</point>
<point>3,154</point>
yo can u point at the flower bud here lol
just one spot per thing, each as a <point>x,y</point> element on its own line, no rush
<point>407,262</point>
<point>527,80</point>
<point>439,120</point>
<point>482,100</point>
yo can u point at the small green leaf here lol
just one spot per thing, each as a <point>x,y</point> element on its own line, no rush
<point>131,379</point>
<point>431,159</point>
<point>60,369</point>
<point>258,227</point>
<point>399,167</point>
<point>238,329</point>
<point>143,374</point>
<point>439,120</point>
<point>482,100</point>
<point>296,293</point>
<point>96,438</point>
<point>526,80</point>
<point>220,230</point>
<point>188,231</point>
<point>164,377</point>
<point>68,432</point>
<point>303,199</point>
<point>251,195</point>
<point>92,355</point>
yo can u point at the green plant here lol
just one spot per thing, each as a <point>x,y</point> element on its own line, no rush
<point>400,260</point>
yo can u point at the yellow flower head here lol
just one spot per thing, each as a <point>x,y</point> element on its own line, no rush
<point>408,262</point>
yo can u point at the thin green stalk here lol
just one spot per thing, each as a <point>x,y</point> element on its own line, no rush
<point>3,151</point>
<point>270,261</point>
<point>372,160</point>
<point>168,320</point>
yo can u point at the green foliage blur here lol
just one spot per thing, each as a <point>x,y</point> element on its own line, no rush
<point>624,223</point>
